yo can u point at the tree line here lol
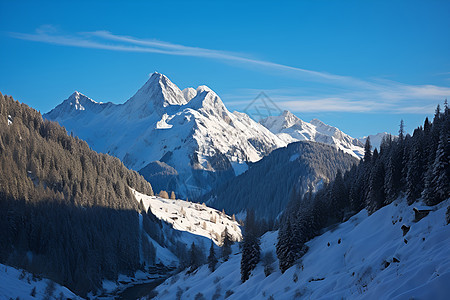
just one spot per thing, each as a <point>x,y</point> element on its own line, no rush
<point>66,212</point>
<point>413,166</point>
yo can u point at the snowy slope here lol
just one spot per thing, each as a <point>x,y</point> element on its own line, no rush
<point>290,128</point>
<point>190,130</point>
<point>191,217</point>
<point>19,284</point>
<point>360,263</point>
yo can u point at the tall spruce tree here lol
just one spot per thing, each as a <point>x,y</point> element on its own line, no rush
<point>367,150</point>
<point>439,179</point>
<point>195,257</point>
<point>227,241</point>
<point>250,246</point>
<point>212,260</point>
<point>415,167</point>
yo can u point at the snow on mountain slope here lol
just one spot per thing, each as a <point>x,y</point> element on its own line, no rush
<point>190,130</point>
<point>19,284</point>
<point>290,128</point>
<point>191,217</point>
<point>375,139</point>
<point>367,258</point>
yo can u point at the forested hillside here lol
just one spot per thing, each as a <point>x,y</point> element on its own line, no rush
<point>66,212</point>
<point>415,166</point>
<point>267,185</point>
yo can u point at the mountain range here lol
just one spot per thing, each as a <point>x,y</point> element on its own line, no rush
<point>186,140</point>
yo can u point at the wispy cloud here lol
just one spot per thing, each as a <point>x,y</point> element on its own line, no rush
<point>336,93</point>
<point>103,39</point>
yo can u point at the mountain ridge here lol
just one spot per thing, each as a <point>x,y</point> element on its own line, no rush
<point>191,131</point>
<point>290,128</point>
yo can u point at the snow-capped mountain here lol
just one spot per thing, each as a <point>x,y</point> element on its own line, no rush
<point>290,128</point>
<point>375,139</point>
<point>191,131</point>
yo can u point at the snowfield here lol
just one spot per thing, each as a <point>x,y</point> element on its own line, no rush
<point>194,218</point>
<point>366,257</point>
<point>19,284</point>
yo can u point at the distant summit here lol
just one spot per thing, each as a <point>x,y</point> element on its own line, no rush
<point>189,132</point>
<point>290,128</point>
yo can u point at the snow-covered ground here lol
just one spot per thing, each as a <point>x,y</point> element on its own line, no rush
<point>366,257</point>
<point>194,218</point>
<point>19,284</point>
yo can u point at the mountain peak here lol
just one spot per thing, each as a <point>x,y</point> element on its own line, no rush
<point>75,103</point>
<point>75,94</point>
<point>287,113</point>
<point>290,128</point>
<point>156,94</point>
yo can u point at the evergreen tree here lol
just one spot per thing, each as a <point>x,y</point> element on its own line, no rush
<point>439,175</point>
<point>367,150</point>
<point>250,246</point>
<point>394,172</point>
<point>339,198</point>
<point>212,260</point>
<point>289,246</point>
<point>227,241</point>
<point>376,195</point>
<point>415,168</point>
<point>401,131</point>
<point>195,257</point>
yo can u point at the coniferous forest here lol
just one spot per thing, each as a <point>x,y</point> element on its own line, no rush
<point>66,212</point>
<point>413,166</point>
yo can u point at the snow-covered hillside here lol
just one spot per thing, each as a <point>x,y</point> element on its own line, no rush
<point>191,217</point>
<point>190,130</point>
<point>19,284</point>
<point>367,257</point>
<point>290,128</point>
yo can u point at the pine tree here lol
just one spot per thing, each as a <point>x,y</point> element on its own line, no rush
<point>195,257</point>
<point>212,260</point>
<point>376,195</point>
<point>393,180</point>
<point>250,246</point>
<point>415,168</point>
<point>289,245</point>
<point>339,197</point>
<point>367,150</point>
<point>440,180</point>
<point>401,131</point>
<point>227,241</point>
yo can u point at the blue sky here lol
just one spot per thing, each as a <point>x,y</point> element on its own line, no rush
<point>358,65</point>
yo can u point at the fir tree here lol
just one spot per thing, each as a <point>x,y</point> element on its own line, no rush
<point>376,195</point>
<point>367,150</point>
<point>415,168</point>
<point>250,246</point>
<point>289,246</point>
<point>439,175</point>
<point>227,241</point>
<point>212,260</point>
<point>195,257</point>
